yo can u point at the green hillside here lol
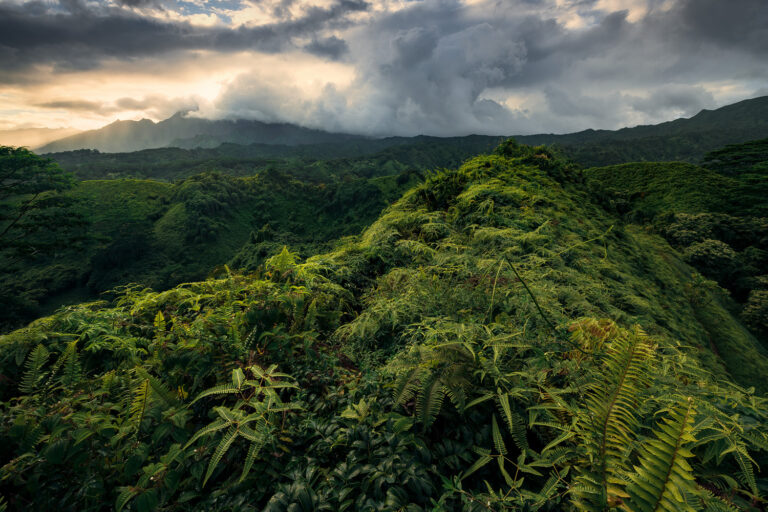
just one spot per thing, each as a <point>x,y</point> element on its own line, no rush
<point>687,140</point>
<point>310,161</point>
<point>159,234</point>
<point>513,334</point>
<point>715,216</point>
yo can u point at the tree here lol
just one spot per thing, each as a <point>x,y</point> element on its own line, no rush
<point>33,213</point>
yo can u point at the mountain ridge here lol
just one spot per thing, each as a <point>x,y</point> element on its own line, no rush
<point>189,132</point>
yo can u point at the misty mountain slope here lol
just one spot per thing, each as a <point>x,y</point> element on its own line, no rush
<point>183,131</point>
<point>682,139</point>
<point>679,140</point>
<point>497,339</point>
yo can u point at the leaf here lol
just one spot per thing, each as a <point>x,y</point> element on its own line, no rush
<point>664,478</point>
<point>37,358</point>
<point>238,378</point>
<point>212,427</point>
<point>498,439</point>
<point>226,441</point>
<point>479,463</point>
<point>126,495</point>
<point>223,389</point>
<point>253,451</point>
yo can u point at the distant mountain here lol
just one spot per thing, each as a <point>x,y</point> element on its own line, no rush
<point>189,132</point>
<point>682,139</point>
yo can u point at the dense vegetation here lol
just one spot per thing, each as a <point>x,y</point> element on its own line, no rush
<point>222,207</point>
<point>309,162</point>
<point>512,334</point>
<point>716,217</point>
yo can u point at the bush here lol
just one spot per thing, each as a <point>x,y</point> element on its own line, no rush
<point>715,259</point>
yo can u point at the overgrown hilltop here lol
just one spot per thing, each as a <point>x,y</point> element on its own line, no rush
<point>234,204</point>
<point>160,234</point>
<point>497,340</point>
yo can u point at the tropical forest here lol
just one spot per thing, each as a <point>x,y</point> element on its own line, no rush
<point>404,259</point>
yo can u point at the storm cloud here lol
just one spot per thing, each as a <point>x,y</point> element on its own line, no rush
<point>441,67</point>
<point>75,35</point>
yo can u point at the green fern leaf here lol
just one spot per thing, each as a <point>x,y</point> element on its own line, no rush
<point>139,404</point>
<point>430,401</point>
<point>33,373</point>
<point>223,389</point>
<point>212,427</point>
<point>498,439</point>
<point>226,441</point>
<point>663,479</point>
<point>253,452</point>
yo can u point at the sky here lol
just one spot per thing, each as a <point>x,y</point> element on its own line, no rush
<point>377,67</point>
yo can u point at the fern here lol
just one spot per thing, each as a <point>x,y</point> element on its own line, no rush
<point>608,424</point>
<point>221,449</point>
<point>33,373</point>
<point>430,400</point>
<point>514,421</point>
<point>138,408</point>
<point>69,365</point>
<point>498,439</point>
<point>257,427</point>
<point>664,480</point>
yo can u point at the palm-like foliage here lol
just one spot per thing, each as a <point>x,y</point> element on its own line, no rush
<point>255,417</point>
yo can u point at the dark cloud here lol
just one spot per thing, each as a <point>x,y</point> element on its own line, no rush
<point>741,24</point>
<point>330,47</point>
<point>681,99</point>
<point>435,66</point>
<point>76,37</point>
<point>81,105</point>
<point>138,3</point>
<point>443,68</point>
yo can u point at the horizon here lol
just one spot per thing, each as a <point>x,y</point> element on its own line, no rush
<point>64,134</point>
<point>377,68</point>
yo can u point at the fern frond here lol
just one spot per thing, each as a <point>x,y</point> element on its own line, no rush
<point>498,439</point>
<point>71,373</point>
<point>212,427</point>
<point>33,373</point>
<point>159,389</point>
<point>222,389</point>
<point>479,463</point>
<point>253,452</point>
<point>515,422</point>
<point>744,461</point>
<point>69,364</point>
<point>430,400</point>
<point>139,404</point>
<point>663,479</point>
<point>405,386</point>
<point>226,441</point>
<point>609,424</point>
<point>714,503</point>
